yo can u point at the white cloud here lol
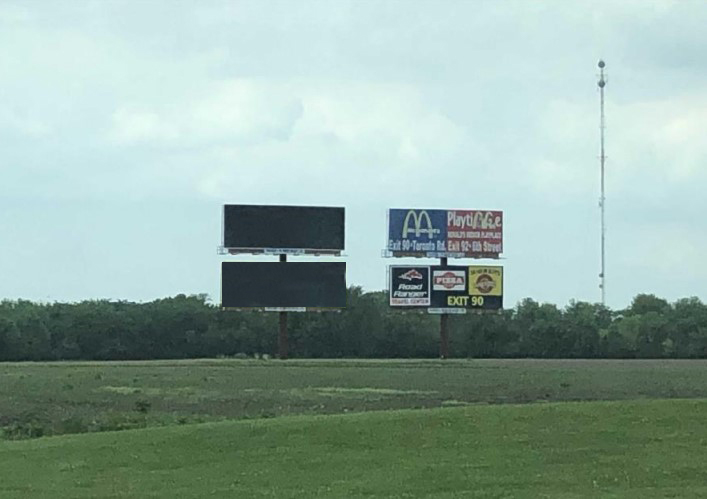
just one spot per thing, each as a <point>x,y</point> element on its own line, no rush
<point>247,110</point>
<point>648,143</point>
<point>27,122</point>
<point>130,126</point>
<point>666,259</point>
<point>661,248</point>
<point>563,159</point>
<point>662,138</point>
<point>299,133</point>
<point>14,14</point>
<point>393,116</point>
<point>230,111</point>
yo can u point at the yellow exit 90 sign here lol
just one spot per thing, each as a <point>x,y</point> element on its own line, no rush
<point>465,301</point>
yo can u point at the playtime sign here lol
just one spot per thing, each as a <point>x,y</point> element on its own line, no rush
<point>445,233</point>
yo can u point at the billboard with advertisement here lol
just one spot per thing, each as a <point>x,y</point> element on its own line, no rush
<point>409,286</point>
<point>449,279</point>
<point>486,280</point>
<point>478,287</point>
<point>445,233</point>
<point>283,229</point>
<point>261,285</point>
<point>483,287</point>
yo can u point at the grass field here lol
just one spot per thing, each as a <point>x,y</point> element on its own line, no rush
<point>57,398</point>
<point>638,449</point>
<point>490,428</point>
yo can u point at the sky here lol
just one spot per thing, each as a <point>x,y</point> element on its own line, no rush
<point>125,126</point>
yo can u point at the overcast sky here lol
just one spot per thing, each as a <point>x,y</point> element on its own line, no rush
<point>125,126</point>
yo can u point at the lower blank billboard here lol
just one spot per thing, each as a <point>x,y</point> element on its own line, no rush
<point>283,284</point>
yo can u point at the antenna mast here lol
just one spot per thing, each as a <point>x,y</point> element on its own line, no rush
<point>602,199</point>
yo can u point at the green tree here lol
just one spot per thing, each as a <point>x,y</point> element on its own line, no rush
<point>540,330</point>
<point>644,303</point>
<point>583,323</point>
<point>689,332</point>
<point>653,332</point>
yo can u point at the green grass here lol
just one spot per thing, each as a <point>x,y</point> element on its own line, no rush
<point>639,449</point>
<point>58,398</point>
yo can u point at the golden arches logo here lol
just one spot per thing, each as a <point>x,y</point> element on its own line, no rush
<point>417,224</point>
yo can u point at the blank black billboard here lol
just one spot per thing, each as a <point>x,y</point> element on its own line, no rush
<point>293,227</point>
<point>289,284</point>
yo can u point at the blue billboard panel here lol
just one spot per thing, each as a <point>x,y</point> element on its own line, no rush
<point>445,233</point>
<point>417,231</point>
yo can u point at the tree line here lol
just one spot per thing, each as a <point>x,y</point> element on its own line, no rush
<point>192,327</point>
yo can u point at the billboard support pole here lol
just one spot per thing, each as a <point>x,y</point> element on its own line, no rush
<point>282,337</point>
<point>443,333</point>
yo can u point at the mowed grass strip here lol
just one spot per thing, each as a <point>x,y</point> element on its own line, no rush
<point>641,449</point>
<point>73,397</point>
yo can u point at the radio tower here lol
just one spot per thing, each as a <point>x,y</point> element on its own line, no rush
<point>602,199</point>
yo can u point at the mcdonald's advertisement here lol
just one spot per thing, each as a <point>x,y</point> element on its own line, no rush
<point>445,233</point>
<point>477,287</point>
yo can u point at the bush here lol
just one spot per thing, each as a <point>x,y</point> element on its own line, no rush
<point>21,430</point>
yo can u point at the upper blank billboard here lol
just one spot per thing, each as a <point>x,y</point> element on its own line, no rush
<point>254,228</point>
<point>442,233</point>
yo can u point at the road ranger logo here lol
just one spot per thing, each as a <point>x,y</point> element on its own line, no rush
<point>410,286</point>
<point>449,280</point>
<point>410,275</point>
<point>404,289</point>
<point>417,228</point>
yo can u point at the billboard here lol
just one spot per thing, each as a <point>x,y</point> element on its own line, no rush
<point>486,280</point>
<point>445,233</point>
<point>448,279</point>
<point>481,287</point>
<point>283,229</point>
<point>453,287</point>
<point>409,286</point>
<point>312,285</point>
